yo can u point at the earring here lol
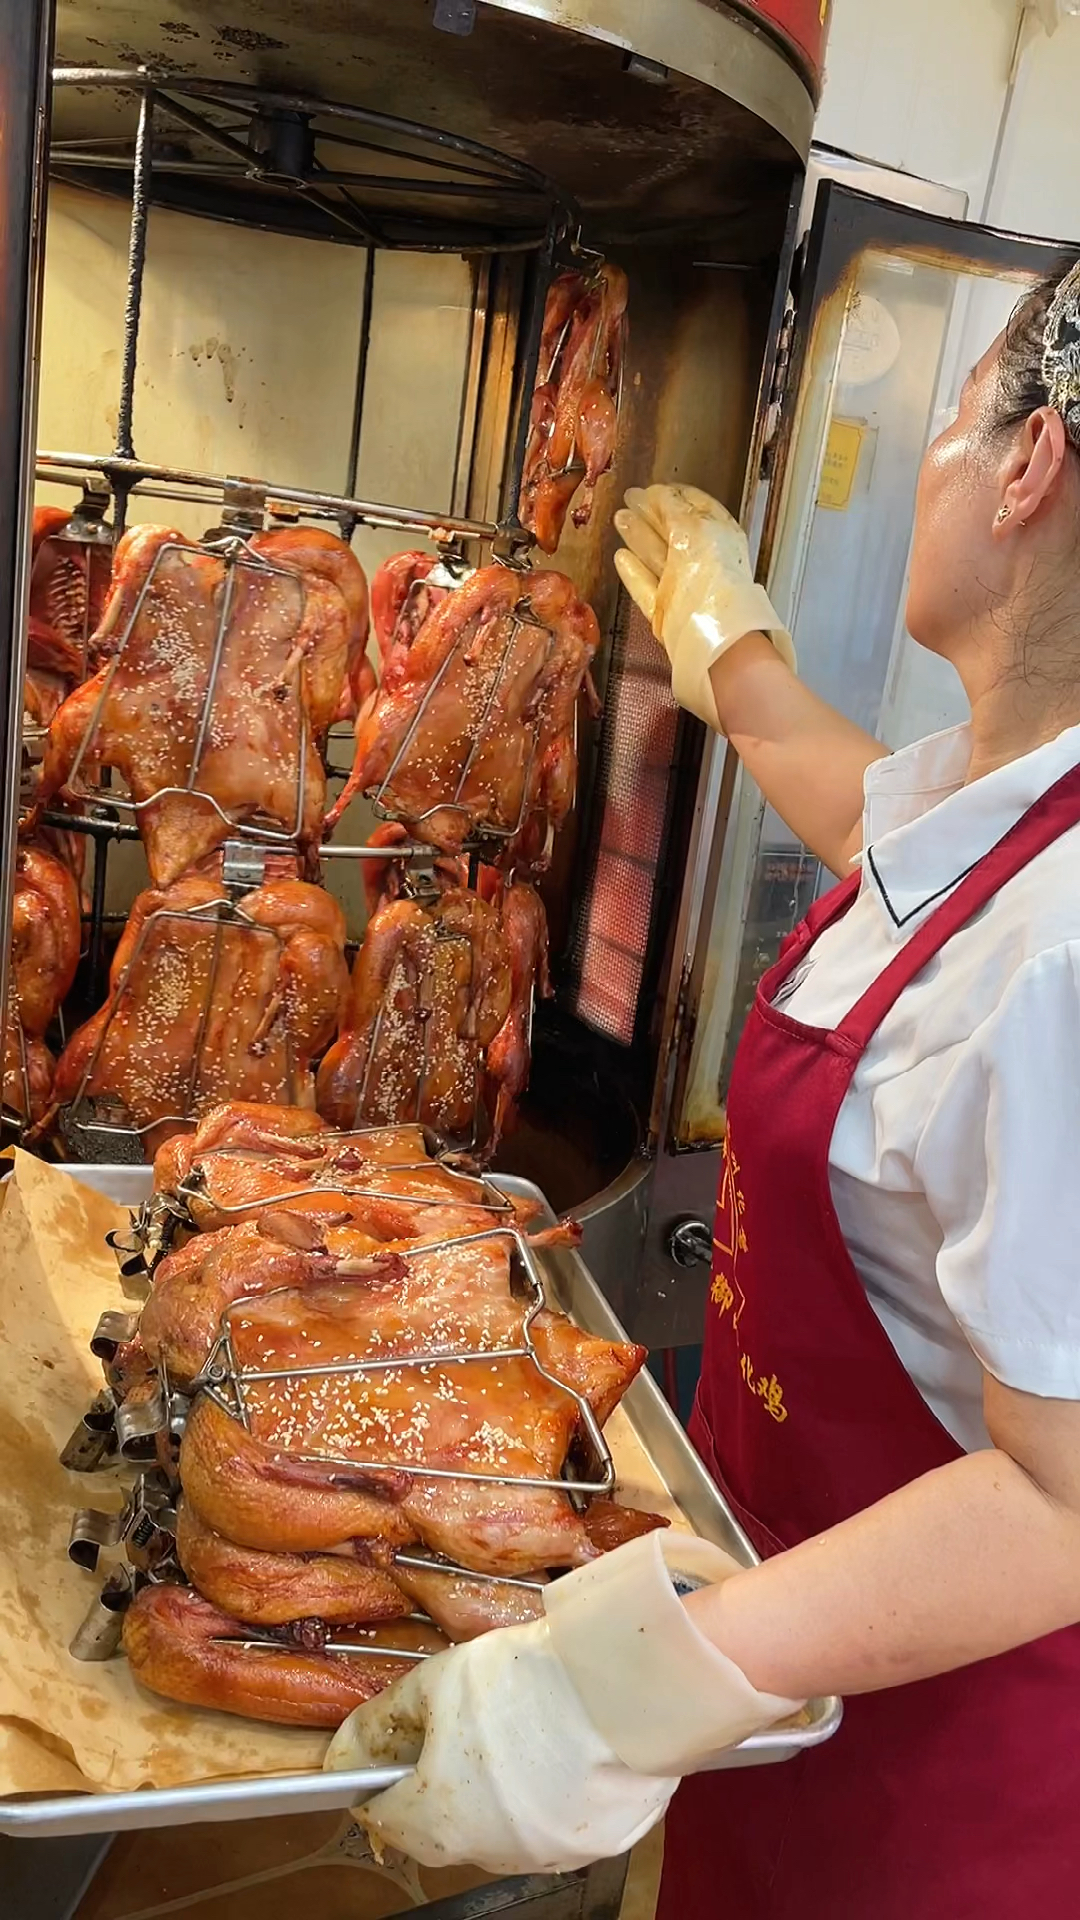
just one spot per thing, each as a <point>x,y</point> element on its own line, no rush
<point>1003,514</point>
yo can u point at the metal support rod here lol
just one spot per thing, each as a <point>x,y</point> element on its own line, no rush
<point>349,520</point>
<point>407,519</point>
<point>140,207</point>
<point>97,921</point>
<point>256,99</point>
<point>26,34</point>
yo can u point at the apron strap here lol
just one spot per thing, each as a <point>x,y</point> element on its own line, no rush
<point>1053,814</point>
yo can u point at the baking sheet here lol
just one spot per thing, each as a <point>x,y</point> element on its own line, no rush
<point>85,1734</point>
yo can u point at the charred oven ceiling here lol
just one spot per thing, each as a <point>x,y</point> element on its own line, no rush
<point>646,152</point>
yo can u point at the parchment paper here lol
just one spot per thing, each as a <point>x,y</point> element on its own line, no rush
<point>65,1724</point>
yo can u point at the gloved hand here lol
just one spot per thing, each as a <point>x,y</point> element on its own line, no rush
<point>687,565</point>
<point>542,1748</point>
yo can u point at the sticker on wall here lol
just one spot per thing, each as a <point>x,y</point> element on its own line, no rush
<point>842,450</point>
<point>871,342</point>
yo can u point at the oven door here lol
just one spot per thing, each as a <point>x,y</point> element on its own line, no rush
<point>893,305</point>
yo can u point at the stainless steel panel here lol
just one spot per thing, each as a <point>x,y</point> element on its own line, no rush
<point>571,1287</point>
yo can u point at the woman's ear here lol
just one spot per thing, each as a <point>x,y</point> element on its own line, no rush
<point>1034,466</point>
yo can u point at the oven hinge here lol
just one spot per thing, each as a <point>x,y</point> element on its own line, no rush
<point>779,384</point>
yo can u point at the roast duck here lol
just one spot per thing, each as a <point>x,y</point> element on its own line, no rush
<point>46,932</point>
<point>69,581</point>
<point>209,1000</point>
<point>437,1020</point>
<point>225,676</point>
<point>574,420</point>
<point>345,1501</point>
<point>472,730</point>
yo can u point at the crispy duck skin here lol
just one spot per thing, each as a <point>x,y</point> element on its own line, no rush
<point>207,1009</point>
<point>465,1608</point>
<point>524,924</point>
<point>381,1182</point>
<point>402,597</point>
<point>178,1645</point>
<point>69,585</point>
<point>194,1285</point>
<point>257,1496</point>
<point>611,1525</point>
<point>29,1068</point>
<point>274,1589</point>
<point>488,682</point>
<point>467,1420</point>
<point>255,1125</point>
<point>278,685</point>
<point>46,931</point>
<point>574,421</point>
<point>340,673</point>
<point>430,989</point>
<point>369,1582</point>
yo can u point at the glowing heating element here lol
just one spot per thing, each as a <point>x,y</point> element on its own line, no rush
<point>634,772</point>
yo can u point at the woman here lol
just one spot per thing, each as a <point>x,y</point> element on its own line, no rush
<point>890,1393</point>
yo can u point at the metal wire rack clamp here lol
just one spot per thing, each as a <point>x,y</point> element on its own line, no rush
<point>235,555</point>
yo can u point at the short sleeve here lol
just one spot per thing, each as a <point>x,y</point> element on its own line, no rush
<point>999,1161</point>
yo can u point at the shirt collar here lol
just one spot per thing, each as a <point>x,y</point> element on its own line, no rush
<point>923,830</point>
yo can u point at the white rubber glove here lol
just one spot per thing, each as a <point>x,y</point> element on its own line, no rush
<point>542,1748</point>
<point>687,565</point>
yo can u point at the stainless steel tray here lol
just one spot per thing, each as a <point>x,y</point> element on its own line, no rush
<point>572,1288</point>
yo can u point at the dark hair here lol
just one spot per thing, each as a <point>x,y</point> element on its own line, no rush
<point>1021,388</point>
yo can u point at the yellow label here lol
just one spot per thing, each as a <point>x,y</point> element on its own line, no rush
<point>842,451</point>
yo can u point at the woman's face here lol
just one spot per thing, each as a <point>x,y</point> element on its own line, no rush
<point>954,563</point>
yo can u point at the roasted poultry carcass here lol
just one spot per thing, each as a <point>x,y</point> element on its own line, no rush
<point>431,987</point>
<point>227,674</point>
<point>207,1000</point>
<point>349,1496</point>
<point>509,1055</point>
<point>339,676</point>
<point>381,1181</point>
<point>69,581</point>
<point>473,728</point>
<point>403,594</point>
<point>330,1458</point>
<point>181,1646</point>
<point>46,932</point>
<point>369,1472</point>
<point>574,420</point>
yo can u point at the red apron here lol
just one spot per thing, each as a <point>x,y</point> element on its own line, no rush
<point>956,1798</point>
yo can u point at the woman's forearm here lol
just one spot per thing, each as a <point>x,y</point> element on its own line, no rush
<point>808,760</point>
<point>963,1563</point>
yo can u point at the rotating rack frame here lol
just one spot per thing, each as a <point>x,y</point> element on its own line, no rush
<point>287,163</point>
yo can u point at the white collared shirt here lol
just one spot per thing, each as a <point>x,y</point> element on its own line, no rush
<point>955,1159</point>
